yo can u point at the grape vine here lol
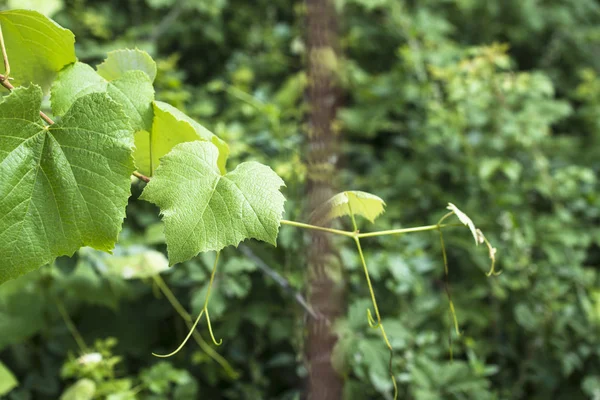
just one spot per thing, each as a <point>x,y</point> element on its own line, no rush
<point>66,184</point>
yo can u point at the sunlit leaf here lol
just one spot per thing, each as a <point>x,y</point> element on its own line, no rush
<point>63,186</point>
<point>171,127</point>
<point>118,62</point>
<point>7,380</point>
<point>83,389</point>
<point>37,47</point>
<point>204,210</point>
<point>352,202</point>
<point>133,91</point>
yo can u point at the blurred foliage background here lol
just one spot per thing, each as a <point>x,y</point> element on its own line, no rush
<point>493,106</point>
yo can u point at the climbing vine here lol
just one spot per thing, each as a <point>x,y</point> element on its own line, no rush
<point>66,178</point>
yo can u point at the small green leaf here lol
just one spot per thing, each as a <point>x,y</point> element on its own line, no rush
<point>7,380</point>
<point>170,128</point>
<point>204,210</point>
<point>361,203</point>
<point>63,186</point>
<point>133,91</point>
<point>37,47</point>
<point>83,389</point>
<point>118,62</point>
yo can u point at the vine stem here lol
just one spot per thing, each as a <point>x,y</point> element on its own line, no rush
<point>4,57</point>
<point>4,82</point>
<point>164,288</point>
<point>71,326</point>
<point>317,228</point>
<point>406,230</point>
<point>447,286</point>
<point>359,235</point>
<point>204,311</point>
<point>141,177</point>
<point>370,320</point>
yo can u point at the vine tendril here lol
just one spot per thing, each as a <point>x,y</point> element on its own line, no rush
<point>4,57</point>
<point>204,310</point>
<point>451,309</point>
<point>212,336</point>
<point>370,319</point>
<point>162,285</point>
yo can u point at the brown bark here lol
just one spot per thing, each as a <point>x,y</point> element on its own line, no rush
<point>325,293</point>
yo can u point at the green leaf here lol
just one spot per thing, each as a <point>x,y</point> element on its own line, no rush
<point>7,380</point>
<point>160,377</point>
<point>204,210</point>
<point>37,47</point>
<point>63,186</point>
<point>83,389</point>
<point>361,203</point>
<point>133,91</point>
<point>118,62</point>
<point>170,128</point>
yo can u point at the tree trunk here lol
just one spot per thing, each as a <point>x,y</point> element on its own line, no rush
<point>325,291</point>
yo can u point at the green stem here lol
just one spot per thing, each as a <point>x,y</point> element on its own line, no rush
<point>367,277</point>
<point>317,228</point>
<point>245,97</point>
<point>151,151</point>
<point>447,285</point>
<point>439,224</point>
<point>370,317</point>
<point>162,285</point>
<point>357,236</point>
<point>71,326</point>
<point>4,57</point>
<point>354,225</point>
<point>212,335</point>
<point>405,230</point>
<point>369,234</point>
<point>204,309</point>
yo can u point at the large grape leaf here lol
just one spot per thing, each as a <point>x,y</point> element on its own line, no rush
<point>133,91</point>
<point>118,62</point>
<point>170,128</point>
<point>37,47</point>
<point>351,202</point>
<point>63,186</point>
<point>204,210</point>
